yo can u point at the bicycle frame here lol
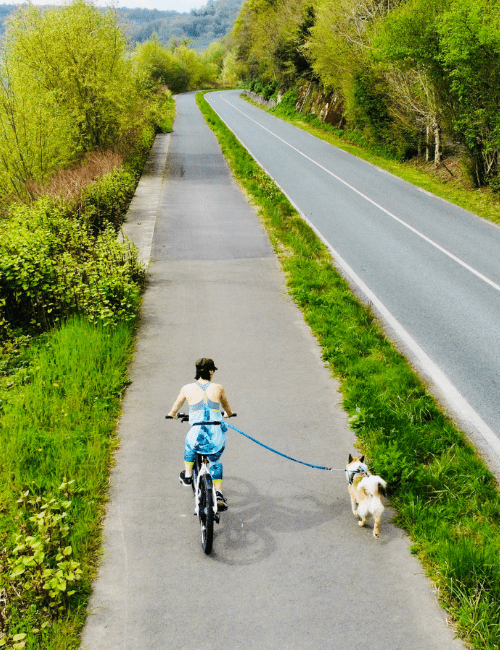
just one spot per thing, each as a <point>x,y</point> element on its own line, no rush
<point>202,468</point>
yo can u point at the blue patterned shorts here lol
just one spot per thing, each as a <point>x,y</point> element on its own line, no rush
<point>215,466</point>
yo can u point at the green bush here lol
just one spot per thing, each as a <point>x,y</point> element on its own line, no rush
<point>287,105</point>
<point>41,573</point>
<point>135,148</point>
<point>269,90</point>
<point>105,202</point>
<point>53,265</point>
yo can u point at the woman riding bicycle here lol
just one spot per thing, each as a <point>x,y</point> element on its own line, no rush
<point>204,399</point>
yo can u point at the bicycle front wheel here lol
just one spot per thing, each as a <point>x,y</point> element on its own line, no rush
<point>206,514</point>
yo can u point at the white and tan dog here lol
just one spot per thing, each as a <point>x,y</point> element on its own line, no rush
<point>365,490</point>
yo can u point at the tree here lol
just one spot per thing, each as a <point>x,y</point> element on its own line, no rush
<point>469,32</point>
<point>341,39</point>
<point>76,55</point>
<point>407,44</point>
<point>35,139</point>
<point>290,51</point>
<point>159,65</point>
<point>340,47</point>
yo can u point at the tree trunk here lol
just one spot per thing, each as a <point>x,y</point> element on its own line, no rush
<point>477,155</point>
<point>437,144</point>
<point>306,97</point>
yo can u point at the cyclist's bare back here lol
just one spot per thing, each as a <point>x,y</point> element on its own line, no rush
<point>193,394</point>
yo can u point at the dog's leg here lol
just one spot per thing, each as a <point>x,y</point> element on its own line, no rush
<point>354,506</point>
<point>363,521</point>
<point>376,520</point>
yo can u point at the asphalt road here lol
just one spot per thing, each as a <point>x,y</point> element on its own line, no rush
<point>291,569</point>
<point>431,269</point>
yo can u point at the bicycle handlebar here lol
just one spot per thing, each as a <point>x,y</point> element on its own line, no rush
<point>184,417</point>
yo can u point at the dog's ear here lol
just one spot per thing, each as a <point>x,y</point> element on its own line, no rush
<point>381,489</point>
<point>350,459</point>
<point>362,459</point>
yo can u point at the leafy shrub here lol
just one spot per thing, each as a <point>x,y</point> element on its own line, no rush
<point>269,90</point>
<point>287,105</point>
<point>53,265</point>
<point>266,90</point>
<point>162,111</point>
<point>136,146</point>
<point>40,575</point>
<point>105,202</point>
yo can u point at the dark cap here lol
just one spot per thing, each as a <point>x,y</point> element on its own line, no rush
<point>205,364</point>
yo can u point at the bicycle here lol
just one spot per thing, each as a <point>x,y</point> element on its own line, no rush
<point>205,499</point>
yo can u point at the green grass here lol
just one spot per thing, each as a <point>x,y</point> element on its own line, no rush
<point>60,401</point>
<point>484,202</point>
<point>445,497</point>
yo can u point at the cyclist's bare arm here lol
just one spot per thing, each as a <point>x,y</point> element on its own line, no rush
<point>177,404</point>
<point>225,403</point>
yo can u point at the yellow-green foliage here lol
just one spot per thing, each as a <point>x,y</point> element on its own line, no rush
<point>177,66</point>
<point>73,56</point>
<point>156,64</point>
<point>409,73</point>
<point>68,86</point>
<point>264,31</point>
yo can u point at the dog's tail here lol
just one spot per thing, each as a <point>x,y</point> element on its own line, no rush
<point>372,485</point>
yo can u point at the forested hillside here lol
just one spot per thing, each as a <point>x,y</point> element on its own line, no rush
<point>202,26</point>
<point>409,76</point>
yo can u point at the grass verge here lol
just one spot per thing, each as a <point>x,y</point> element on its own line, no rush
<point>60,401</point>
<point>60,390</point>
<point>445,497</point>
<point>484,202</point>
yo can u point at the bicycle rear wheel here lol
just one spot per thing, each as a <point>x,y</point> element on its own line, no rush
<point>206,514</point>
<point>196,469</point>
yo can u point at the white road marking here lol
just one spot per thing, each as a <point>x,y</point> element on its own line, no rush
<point>453,399</point>
<point>374,203</point>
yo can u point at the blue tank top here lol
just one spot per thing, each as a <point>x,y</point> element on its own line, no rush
<point>206,438</point>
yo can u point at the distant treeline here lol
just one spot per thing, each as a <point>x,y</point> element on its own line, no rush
<point>408,75</point>
<point>202,26</point>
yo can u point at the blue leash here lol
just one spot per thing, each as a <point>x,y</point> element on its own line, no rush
<point>329,469</point>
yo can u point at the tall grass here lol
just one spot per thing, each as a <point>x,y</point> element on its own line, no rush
<point>61,398</point>
<point>445,497</point>
<point>68,184</point>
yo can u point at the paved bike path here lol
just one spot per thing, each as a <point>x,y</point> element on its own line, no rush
<point>290,567</point>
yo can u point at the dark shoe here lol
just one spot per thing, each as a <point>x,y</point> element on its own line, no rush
<point>221,502</point>
<point>185,480</point>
